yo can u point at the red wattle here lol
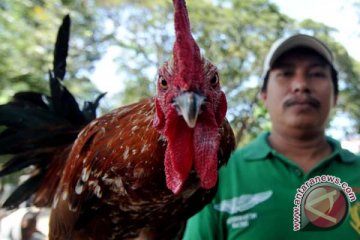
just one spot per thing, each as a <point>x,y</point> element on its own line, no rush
<point>206,145</point>
<point>179,153</point>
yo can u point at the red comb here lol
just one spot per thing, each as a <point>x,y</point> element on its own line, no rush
<point>187,58</point>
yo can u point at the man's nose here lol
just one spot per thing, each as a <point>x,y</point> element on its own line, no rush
<point>300,83</point>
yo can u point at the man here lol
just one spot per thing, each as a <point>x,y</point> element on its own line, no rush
<point>294,182</point>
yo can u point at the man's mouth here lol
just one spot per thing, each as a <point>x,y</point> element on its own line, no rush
<point>309,101</point>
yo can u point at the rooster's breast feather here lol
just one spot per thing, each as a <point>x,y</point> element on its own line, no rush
<point>115,171</point>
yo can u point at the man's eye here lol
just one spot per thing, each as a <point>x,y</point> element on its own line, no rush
<point>318,74</point>
<point>285,73</point>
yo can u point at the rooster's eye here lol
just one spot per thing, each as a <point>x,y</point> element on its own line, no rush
<point>214,80</point>
<point>163,83</point>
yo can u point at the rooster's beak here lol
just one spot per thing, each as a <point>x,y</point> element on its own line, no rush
<point>188,105</point>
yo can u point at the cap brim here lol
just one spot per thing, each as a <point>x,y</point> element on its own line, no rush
<point>299,40</point>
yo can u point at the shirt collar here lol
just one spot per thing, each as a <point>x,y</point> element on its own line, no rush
<point>344,154</point>
<point>260,149</point>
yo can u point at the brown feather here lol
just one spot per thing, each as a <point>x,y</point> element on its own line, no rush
<point>114,182</point>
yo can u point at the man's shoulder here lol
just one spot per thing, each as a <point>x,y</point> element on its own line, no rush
<point>346,155</point>
<point>256,149</point>
<point>349,157</point>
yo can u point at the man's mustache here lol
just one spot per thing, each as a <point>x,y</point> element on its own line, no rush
<point>302,100</point>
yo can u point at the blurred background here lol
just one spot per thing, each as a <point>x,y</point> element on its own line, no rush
<point>116,47</point>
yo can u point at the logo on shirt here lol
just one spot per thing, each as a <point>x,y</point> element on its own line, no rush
<point>241,221</point>
<point>243,202</point>
<point>321,203</point>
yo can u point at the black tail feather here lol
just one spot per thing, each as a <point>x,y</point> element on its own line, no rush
<point>61,49</point>
<point>34,139</point>
<point>23,192</point>
<point>22,161</point>
<point>39,128</point>
<point>64,103</point>
<point>21,115</point>
<point>31,99</point>
<point>89,108</point>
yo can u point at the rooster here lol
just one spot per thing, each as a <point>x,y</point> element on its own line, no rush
<point>139,171</point>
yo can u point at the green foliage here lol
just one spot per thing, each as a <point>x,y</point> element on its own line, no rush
<point>234,34</point>
<point>28,29</point>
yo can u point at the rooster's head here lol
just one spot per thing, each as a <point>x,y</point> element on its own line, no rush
<point>190,107</point>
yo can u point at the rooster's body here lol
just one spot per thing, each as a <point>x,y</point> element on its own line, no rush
<point>140,171</point>
<point>119,189</point>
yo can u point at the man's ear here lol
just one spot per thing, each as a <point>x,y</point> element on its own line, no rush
<point>263,97</point>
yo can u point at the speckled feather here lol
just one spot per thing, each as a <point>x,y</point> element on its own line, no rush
<point>141,171</point>
<point>138,172</point>
<point>113,186</point>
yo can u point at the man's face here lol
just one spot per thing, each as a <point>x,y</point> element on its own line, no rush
<point>300,91</point>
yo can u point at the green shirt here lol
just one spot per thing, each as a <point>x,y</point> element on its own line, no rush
<point>256,194</point>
